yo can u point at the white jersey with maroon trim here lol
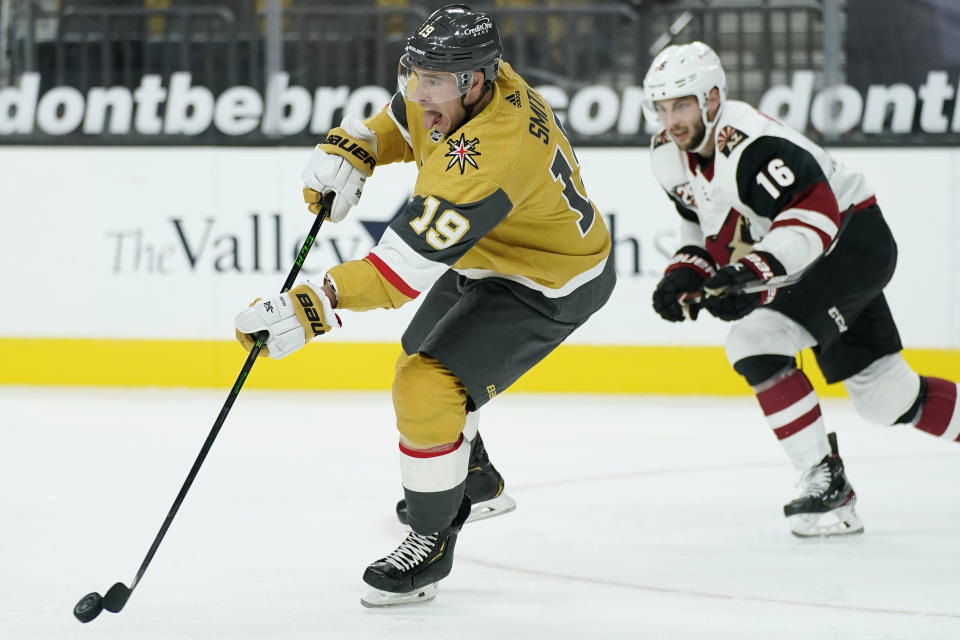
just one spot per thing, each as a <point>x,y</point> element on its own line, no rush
<point>766,188</point>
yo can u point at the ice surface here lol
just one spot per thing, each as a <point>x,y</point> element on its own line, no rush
<point>638,517</point>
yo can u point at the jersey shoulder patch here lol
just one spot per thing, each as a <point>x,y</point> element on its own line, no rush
<point>728,138</point>
<point>659,140</point>
<point>739,123</point>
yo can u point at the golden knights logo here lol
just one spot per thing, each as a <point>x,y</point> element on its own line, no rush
<point>728,138</point>
<point>661,139</point>
<point>462,153</point>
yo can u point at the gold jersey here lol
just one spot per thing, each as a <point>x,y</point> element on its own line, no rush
<point>500,197</point>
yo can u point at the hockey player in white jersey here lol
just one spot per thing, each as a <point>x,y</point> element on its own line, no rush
<point>757,201</point>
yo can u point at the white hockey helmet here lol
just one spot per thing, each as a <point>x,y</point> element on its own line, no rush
<point>685,70</point>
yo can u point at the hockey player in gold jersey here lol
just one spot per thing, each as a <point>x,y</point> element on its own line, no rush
<point>500,236</point>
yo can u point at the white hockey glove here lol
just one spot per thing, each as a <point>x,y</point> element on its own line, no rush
<point>341,164</point>
<point>288,318</point>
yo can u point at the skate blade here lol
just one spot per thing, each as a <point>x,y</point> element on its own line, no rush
<point>842,521</point>
<point>490,508</point>
<point>375,598</point>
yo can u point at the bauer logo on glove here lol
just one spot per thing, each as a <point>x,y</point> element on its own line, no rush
<point>340,165</point>
<point>312,316</point>
<point>348,145</point>
<point>288,319</point>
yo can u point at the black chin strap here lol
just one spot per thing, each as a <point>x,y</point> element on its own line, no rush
<point>468,108</point>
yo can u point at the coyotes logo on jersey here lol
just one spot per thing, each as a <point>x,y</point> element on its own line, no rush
<point>733,241</point>
<point>728,138</point>
<point>661,139</point>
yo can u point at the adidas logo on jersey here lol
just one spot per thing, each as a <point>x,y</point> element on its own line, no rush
<point>514,99</point>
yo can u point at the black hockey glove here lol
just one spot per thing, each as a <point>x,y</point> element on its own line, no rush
<point>686,273</point>
<point>753,267</point>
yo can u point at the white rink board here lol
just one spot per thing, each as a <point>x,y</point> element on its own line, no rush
<point>160,243</point>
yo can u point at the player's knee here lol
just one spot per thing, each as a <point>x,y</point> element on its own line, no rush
<point>766,333</point>
<point>885,390</point>
<point>759,369</point>
<point>430,402</point>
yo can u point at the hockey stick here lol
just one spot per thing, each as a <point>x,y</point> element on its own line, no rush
<point>92,604</point>
<point>693,299</point>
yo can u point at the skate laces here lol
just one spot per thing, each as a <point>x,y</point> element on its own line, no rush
<point>412,551</point>
<point>815,480</point>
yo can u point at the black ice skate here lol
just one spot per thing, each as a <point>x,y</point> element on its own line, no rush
<point>825,506</point>
<point>484,487</point>
<point>410,573</point>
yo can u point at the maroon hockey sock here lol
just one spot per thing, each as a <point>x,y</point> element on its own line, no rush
<point>792,410</point>
<point>939,416</point>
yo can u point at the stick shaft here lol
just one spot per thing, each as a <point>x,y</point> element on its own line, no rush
<point>225,410</point>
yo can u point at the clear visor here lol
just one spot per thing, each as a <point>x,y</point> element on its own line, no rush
<point>424,85</point>
<point>652,99</point>
<point>650,109</point>
<point>654,92</point>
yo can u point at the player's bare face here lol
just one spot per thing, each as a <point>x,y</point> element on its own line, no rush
<point>445,117</point>
<point>682,120</point>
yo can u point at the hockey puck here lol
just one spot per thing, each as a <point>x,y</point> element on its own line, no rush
<point>89,607</point>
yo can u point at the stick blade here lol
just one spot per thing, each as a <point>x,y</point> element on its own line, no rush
<point>89,607</point>
<point>116,597</point>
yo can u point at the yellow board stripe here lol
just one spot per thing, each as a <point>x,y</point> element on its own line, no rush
<point>369,366</point>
